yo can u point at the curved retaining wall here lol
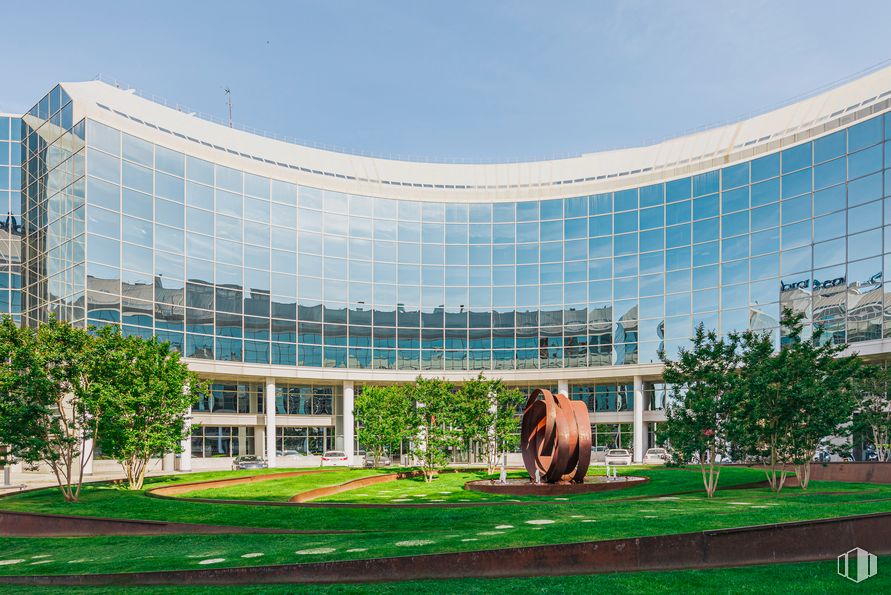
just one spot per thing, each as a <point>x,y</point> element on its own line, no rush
<point>185,488</point>
<point>553,489</point>
<point>786,542</point>
<point>343,487</point>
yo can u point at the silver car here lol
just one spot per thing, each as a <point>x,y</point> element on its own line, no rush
<point>655,456</point>
<point>617,456</point>
<point>382,461</point>
<point>249,462</point>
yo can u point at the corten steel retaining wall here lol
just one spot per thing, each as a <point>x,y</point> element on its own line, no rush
<point>553,489</point>
<point>185,488</point>
<point>29,524</point>
<point>786,542</point>
<point>852,472</point>
<point>352,484</point>
<point>343,487</point>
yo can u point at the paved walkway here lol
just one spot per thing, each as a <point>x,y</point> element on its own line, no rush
<point>29,480</point>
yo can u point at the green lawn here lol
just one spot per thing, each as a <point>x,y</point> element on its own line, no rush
<point>394,531</point>
<point>282,489</point>
<point>449,487</point>
<point>810,577</point>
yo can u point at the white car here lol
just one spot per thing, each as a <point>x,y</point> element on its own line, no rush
<point>655,456</point>
<point>617,456</point>
<point>335,458</point>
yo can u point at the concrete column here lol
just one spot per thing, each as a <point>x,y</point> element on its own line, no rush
<point>167,461</point>
<point>638,419</point>
<point>270,422</point>
<point>86,450</point>
<point>259,440</point>
<point>563,387</point>
<point>185,459</point>
<point>349,422</point>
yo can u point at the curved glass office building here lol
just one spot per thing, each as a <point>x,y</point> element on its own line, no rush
<point>292,276</point>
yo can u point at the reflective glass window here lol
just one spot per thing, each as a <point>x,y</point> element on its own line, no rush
<point>865,162</point>
<point>829,173</point>
<point>735,176</point>
<point>796,158</point>
<point>864,134</point>
<point>830,147</point>
<point>137,150</point>
<point>864,189</point>
<point>652,195</point>
<point>765,167</point>
<point>765,192</point>
<point>797,183</point>
<point>677,190</point>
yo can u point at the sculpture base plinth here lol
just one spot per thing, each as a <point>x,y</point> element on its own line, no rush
<point>525,487</point>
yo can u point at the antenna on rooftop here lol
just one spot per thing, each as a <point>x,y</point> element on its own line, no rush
<point>229,103</point>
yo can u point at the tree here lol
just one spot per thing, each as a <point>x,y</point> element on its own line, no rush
<point>873,417</point>
<point>44,396</point>
<point>143,390</point>
<point>702,381</point>
<point>488,416</point>
<point>385,416</point>
<point>437,413</point>
<point>793,398</point>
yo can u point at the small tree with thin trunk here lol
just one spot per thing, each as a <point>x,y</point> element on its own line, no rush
<point>144,390</point>
<point>823,382</point>
<point>761,405</point>
<point>44,399</point>
<point>793,398</point>
<point>488,416</point>
<point>385,416</point>
<point>437,418</point>
<point>702,380</point>
<point>873,417</point>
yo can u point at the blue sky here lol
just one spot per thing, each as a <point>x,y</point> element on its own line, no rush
<point>450,80</point>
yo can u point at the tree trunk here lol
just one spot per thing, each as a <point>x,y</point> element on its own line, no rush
<point>143,467</point>
<point>491,460</point>
<point>880,439</point>
<point>769,472</point>
<point>710,476</point>
<point>782,481</point>
<point>803,472</point>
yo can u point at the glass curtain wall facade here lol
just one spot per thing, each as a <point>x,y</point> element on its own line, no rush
<point>11,223</point>
<point>231,266</point>
<point>121,220</point>
<point>53,196</point>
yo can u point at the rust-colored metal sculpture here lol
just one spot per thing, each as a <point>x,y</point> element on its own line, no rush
<point>555,437</point>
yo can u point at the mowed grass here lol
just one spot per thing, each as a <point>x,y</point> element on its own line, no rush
<point>449,487</point>
<point>806,577</point>
<point>282,490</point>
<point>401,530</point>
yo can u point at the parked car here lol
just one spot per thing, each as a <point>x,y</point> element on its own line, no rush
<point>617,456</point>
<point>249,462</point>
<point>655,456</point>
<point>382,461</point>
<point>335,458</point>
<point>822,455</point>
<point>597,454</point>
